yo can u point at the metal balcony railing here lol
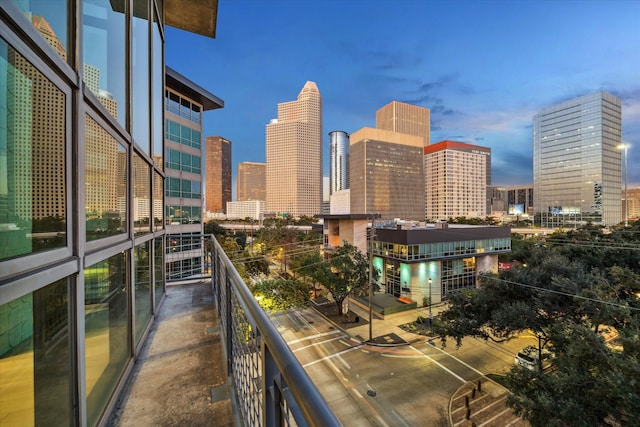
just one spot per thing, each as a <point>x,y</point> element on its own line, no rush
<point>270,386</point>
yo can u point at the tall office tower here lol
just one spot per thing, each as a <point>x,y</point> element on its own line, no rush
<point>457,177</point>
<point>294,155</point>
<point>405,118</point>
<point>218,174</point>
<point>251,181</point>
<point>577,167</point>
<point>633,199</point>
<point>82,276</point>
<point>338,161</point>
<point>385,175</point>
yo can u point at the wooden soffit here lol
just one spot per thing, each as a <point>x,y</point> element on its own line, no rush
<point>195,16</point>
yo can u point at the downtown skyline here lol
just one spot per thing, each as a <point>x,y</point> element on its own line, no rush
<point>484,68</point>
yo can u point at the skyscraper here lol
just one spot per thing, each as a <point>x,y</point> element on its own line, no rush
<point>218,174</point>
<point>457,178</point>
<point>405,118</point>
<point>338,161</point>
<point>386,175</point>
<point>577,167</point>
<point>294,155</point>
<point>251,181</point>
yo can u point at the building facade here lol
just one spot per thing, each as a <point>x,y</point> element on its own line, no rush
<point>81,242</point>
<point>294,155</point>
<point>338,161</point>
<point>405,118</point>
<point>520,200</point>
<point>251,181</point>
<point>218,189</point>
<point>185,103</point>
<point>428,263</point>
<point>386,174</point>
<point>457,180</point>
<point>253,209</point>
<point>577,167</point>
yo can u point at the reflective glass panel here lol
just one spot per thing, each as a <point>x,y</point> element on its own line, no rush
<point>49,17</point>
<point>35,365</point>
<point>32,159</point>
<point>106,332</point>
<point>104,53</point>
<point>159,269</point>
<point>105,183</point>
<point>158,72</point>
<point>140,76</point>
<point>142,284</point>
<point>141,195</point>
<point>158,201</point>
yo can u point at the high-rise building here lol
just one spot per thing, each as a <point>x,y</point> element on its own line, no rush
<point>81,138</point>
<point>577,167</point>
<point>338,161</point>
<point>251,181</point>
<point>520,200</point>
<point>457,179</point>
<point>633,199</point>
<point>218,174</point>
<point>405,118</point>
<point>386,175</point>
<point>294,155</point>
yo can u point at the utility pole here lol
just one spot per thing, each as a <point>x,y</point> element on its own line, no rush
<point>371,237</point>
<point>430,304</point>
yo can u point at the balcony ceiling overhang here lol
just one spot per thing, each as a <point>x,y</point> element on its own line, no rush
<point>195,16</point>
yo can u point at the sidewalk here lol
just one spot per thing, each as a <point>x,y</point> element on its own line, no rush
<point>179,379</point>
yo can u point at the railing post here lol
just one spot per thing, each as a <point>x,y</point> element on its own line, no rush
<point>272,414</point>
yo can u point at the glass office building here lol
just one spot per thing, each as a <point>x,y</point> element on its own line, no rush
<point>576,162</point>
<point>81,177</point>
<point>338,161</point>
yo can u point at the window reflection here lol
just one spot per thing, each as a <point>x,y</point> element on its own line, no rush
<point>35,362</point>
<point>105,183</point>
<point>32,159</point>
<point>158,269</point>
<point>106,338</point>
<point>158,78</point>
<point>140,72</point>
<point>158,201</point>
<point>49,17</point>
<point>141,195</point>
<point>142,287</point>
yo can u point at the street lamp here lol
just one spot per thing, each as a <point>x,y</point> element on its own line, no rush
<point>371,237</point>
<point>430,304</point>
<point>626,173</point>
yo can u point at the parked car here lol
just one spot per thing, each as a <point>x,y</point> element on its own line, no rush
<point>528,358</point>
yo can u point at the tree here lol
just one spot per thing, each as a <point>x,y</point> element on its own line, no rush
<point>346,272</point>
<point>564,292</point>
<point>281,294</point>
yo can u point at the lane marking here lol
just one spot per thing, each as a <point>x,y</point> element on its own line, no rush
<point>459,361</point>
<point>440,365</point>
<point>315,344</point>
<point>310,337</point>
<point>331,356</point>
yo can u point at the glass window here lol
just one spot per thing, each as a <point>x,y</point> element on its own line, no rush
<point>35,364</point>
<point>141,281</point>
<point>104,53</point>
<point>105,183</point>
<point>50,19</point>
<point>158,75</point>
<point>141,195</point>
<point>158,270</point>
<point>140,72</point>
<point>158,201</point>
<point>32,159</point>
<point>106,318</point>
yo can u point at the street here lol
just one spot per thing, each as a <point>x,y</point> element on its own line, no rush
<point>404,385</point>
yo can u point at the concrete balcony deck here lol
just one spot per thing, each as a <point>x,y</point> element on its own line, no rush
<point>180,378</point>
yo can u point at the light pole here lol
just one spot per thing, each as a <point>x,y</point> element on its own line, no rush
<point>626,173</point>
<point>371,237</point>
<point>430,304</point>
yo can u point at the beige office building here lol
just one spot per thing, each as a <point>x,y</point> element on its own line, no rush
<point>457,176</point>
<point>251,181</point>
<point>405,118</point>
<point>294,155</point>
<point>386,175</point>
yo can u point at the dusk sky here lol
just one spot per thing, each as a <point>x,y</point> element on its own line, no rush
<point>484,68</point>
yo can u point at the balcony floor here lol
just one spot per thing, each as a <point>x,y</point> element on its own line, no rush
<point>180,378</point>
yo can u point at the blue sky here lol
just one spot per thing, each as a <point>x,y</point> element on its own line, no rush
<point>483,67</point>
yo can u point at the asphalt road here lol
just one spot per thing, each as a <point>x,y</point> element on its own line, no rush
<point>408,385</point>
